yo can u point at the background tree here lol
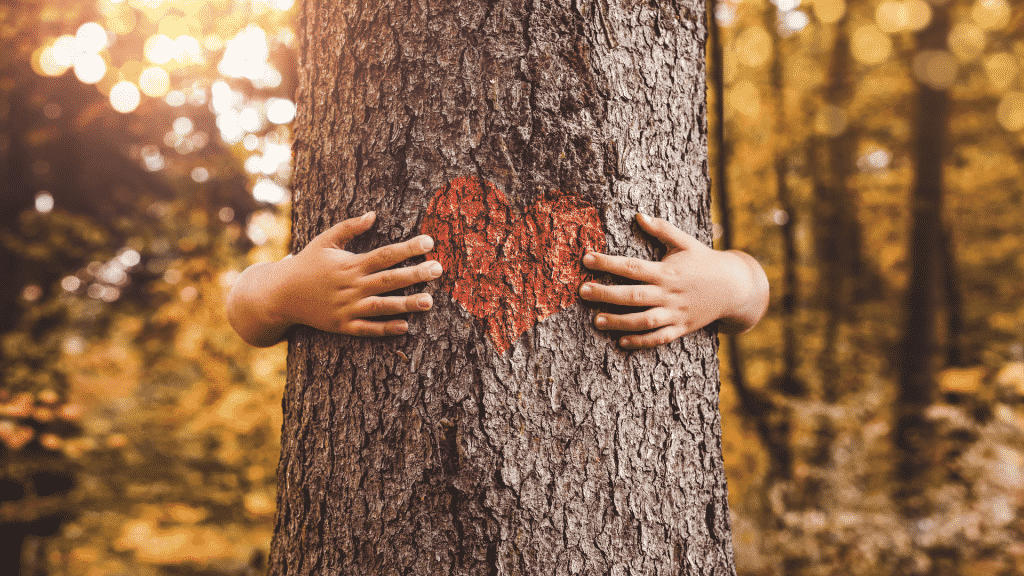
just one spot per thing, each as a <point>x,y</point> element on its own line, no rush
<point>503,434</point>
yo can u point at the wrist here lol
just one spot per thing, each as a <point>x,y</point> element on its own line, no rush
<point>749,300</point>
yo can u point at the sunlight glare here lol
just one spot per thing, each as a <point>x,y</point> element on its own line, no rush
<point>187,51</point>
<point>159,49</point>
<point>175,98</point>
<point>793,21</point>
<point>64,50</point>
<point>91,37</point>
<point>280,110</point>
<point>90,67</point>
<point>182,125</point>
<point>230,129</point>
<point>246,54</point>
<point>44,202</point>
<point>125,97</point>
<point>48,64</point>
<point>154,82</point>
<point>266,190</point>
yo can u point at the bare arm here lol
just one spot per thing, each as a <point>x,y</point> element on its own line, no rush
<point>691,287</point>
<point>331,289</point>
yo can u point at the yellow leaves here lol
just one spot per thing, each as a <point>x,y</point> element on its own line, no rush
<point>753,47</point>
<point>259,503</point>
<point>962,380</point>
<point>1011,377</point>
<point>745,97</point>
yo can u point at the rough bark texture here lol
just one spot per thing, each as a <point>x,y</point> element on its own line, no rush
<point>442,452</point>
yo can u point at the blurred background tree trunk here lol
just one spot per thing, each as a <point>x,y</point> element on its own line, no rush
<point>452,450</point>
<point>918,352</point>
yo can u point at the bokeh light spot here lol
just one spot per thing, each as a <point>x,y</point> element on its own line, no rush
<point>745,97</point>
<point>44,202</point>
<point>991,14</point>
<point>830,11</point>
<point>967,41</point>
<point>154,82</point>
<point>1001,70</point>
<point>1010,111</point>
<point>159,49</point>
<point>90,68</point>
<point>753,47</point>
<point>91,37</point>
<point>935,68</point>
<point>870,45</point>
<point>125,97</point>
<point>280,110</point>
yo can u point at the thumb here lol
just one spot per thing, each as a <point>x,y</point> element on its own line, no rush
<point>340,234</point>
<point>666,232</point>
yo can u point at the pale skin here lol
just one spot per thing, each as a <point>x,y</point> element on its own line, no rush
<point>332,289</point>
<point>691,287</point>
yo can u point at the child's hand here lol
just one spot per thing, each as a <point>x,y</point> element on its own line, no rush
<point>691,287</point>
<point>331,289</point>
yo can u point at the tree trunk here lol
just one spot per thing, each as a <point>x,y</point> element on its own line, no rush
<point>503,434</point>
<point>913,433</point>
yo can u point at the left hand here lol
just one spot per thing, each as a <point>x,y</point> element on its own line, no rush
<point>691,287</point>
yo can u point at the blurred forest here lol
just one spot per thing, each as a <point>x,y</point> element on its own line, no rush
<point>867,152</point>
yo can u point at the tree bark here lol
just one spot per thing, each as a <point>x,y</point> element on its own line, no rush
<point>503,434</point>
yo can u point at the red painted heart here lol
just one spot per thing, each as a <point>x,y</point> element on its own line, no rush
<point>507,269</point>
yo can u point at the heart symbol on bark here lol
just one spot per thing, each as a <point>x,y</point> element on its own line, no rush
<point>507,269</point>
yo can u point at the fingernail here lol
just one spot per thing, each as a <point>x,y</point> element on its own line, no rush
<point>641,217</point>
<point>586,290</point>
<point>402,327</point>
<point>435,269</point>
<point>426,242</point>
<point>600,321</point>
<point>589,260</point>
<point>368,215</point>
<point>424,301</point>
<point>625,342</point>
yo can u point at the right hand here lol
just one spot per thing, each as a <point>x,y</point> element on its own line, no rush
<point>332,289</point>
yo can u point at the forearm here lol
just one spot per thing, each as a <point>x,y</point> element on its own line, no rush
<point>251,305</point>
<point>751,298</point>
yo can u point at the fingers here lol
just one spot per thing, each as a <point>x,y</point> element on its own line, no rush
<point>368,328</point>
<point>643,295</point>
<point>389,280</point>
<point>666,232</point>
<point>635,322</point>
<point>642,270</point>
<point>346,230</point>
<point>657,338</point>
<point>385,305</point>
<point>388,256</point>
